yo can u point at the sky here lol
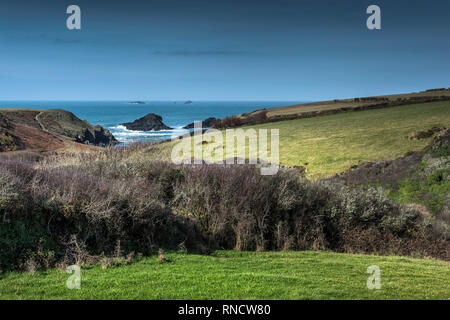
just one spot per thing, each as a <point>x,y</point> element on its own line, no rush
<point>281,50</point>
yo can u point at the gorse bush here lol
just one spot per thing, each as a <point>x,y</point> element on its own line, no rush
<point>76,211</point>
<point>9,186</point>
<point>78,208</point>
<point>238,208</point>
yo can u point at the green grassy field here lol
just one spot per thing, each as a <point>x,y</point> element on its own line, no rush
<point>331,144</point>
<point>242,275</point>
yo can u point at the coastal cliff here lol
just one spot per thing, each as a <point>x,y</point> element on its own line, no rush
<point>46,130</point>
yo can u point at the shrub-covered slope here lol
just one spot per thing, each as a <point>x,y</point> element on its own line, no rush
<point>78,208</point>
<point>420,179</point>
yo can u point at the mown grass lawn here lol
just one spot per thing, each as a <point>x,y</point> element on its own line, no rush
<point>331,144</point>
<point>242,275</point>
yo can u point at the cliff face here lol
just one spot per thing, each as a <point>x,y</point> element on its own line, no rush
<point>45,130</point>
<point>150,122</point>
<point>67,124</point>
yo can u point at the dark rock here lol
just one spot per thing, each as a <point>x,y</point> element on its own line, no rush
<point>93,135</point>
<point>151,122</point>
<point>102,137</point>
<point>188,102</point>
<point>208,123</point>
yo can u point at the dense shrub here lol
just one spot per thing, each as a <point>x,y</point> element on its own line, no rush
<point>85,207</point>
<point>66,211</point>
<point>241,209</point>
<point>228,122</point>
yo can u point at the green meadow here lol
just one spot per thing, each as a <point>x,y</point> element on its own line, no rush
<point>242,275</point>
<point>332,144</point>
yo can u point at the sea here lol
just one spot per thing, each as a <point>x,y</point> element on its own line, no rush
<point>175,114</point>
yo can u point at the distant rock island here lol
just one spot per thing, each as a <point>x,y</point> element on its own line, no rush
<point>150,122</point>
<point>188,102</point>
<point>137,102</point>
<point>208,123</point>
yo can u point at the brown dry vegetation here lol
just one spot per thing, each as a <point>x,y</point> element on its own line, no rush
<point>80,207</point>
<point>31,138</point>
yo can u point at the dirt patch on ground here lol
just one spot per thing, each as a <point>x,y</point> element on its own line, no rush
<point>384,172</point>
<point>426,134</point>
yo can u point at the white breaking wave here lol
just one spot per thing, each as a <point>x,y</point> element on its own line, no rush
<point>124,135</point>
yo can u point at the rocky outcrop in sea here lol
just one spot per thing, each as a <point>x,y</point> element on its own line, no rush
<point>150,122</point>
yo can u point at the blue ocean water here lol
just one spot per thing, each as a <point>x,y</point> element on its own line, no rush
<point>175,114</point>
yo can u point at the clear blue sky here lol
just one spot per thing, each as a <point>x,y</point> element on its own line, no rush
<point>221,50</point>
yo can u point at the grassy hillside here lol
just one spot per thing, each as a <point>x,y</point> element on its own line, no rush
<point>331,144</point>
<point>242,275</point>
